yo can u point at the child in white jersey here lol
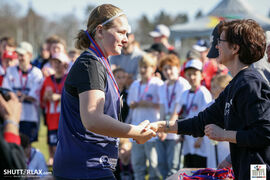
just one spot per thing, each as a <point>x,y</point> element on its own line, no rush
<point>195,150</point>
<point>143,99</point>
<point>168,147</point>
<point>26,80</point>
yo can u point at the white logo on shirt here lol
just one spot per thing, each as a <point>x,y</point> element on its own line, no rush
<point>227,108</point>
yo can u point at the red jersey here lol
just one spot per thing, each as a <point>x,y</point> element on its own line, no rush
<point>52,108</point>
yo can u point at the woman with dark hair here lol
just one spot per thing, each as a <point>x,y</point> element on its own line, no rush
<point>90,104</point>
<point>241,113</point>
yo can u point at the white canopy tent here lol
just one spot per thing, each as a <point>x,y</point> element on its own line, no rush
<point>226,9</point>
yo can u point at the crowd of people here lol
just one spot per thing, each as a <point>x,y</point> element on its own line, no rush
<point>154,88</point>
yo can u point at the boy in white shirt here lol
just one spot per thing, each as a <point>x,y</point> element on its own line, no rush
<point>25,80</point>
<point>143,99</point>
<point>168,147</point>
<point>193,101</point>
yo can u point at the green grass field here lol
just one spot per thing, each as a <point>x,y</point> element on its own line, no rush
<point>41,144</point>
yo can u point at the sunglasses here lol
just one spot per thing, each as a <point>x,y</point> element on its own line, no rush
<point>220,40</point>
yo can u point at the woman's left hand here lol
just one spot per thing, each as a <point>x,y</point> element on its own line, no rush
<point>214,132</point>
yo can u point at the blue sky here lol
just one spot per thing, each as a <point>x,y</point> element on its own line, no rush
<point>133,8</point>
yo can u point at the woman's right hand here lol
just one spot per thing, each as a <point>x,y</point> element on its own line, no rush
<point>145,132</point>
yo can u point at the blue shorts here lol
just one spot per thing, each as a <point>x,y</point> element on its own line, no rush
<point>52,137</point>
<point>30,129</point>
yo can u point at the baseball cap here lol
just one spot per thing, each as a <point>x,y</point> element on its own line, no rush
<point>24,47</point>
<point>213,52</point>
<point>62,57</point>
<point>160,30</point>
<point>9,55</point>
<point>194,63</point>
<point>201,45</point>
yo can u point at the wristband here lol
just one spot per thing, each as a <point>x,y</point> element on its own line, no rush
<point>167,126</point>
<point>10,122</point>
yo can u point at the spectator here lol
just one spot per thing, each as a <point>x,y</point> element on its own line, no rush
<point>57,45</point>
<point>218,84</point>
<point>43,56</point>
<point>158,50</point>
<point>191,54</point>
<point>161,34</point>
<point>73,54</point>
<point>124,170</point>
<point>34,158</point>
<point>168,147</point>
<point>143,99</point>
<point>50,98</point>
<point>7,44</point>
<point>121,78</point>
<point>191,102</point>
<point>11,154</point>
<point>25,80</point>
<point>6,61</point>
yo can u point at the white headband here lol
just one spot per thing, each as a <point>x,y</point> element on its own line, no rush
<point>111,19</point>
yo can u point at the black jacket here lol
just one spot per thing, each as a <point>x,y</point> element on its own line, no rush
<point>244,106</point>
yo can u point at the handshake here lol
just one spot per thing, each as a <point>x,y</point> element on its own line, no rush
<point>148,130</point>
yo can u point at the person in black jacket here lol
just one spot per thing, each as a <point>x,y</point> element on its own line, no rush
<point>241,114</point>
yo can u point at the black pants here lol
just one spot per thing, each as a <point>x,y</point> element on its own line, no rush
<point>194,161</point>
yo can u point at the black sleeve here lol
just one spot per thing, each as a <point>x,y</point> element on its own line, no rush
<point>86,74</point>
<point>11,155</point>
<point>253,100</point>
<point>211,115</point>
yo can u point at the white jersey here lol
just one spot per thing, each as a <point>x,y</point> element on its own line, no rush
<point>147,92</point>
<point>28,84</point>
<point>191,103</point>
<point>2,71</point>
<point>223,150</point>
<point>168,96</point>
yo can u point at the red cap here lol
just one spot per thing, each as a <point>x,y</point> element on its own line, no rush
<point>9,55</point>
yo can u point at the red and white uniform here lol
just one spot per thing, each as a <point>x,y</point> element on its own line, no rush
<point>52,108</point>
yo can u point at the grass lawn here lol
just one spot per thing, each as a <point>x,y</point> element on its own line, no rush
<point>41,144</point>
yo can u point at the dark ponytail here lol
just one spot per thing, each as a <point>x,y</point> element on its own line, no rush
<point>82,40</point>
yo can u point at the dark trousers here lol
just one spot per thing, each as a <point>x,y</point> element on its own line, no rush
<point>194,161</point>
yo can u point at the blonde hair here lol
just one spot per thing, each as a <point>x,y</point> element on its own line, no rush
<point>222,80</point>
<point>148,60</point>
<point>98,16</point>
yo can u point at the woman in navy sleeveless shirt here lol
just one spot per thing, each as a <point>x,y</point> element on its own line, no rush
<point>89,124</point>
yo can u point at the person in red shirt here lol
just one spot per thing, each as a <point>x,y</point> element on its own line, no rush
<point>6,61</point>
<point>50,98</point>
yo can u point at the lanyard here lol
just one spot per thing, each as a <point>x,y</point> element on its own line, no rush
<point>58,86</point>
<point>144,91</point>
<point>190,105</point>
<point>170,99</point>
<point>98,52</point>
<point>23,85</point>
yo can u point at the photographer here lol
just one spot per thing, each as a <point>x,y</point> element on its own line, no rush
<point>11,154</point>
